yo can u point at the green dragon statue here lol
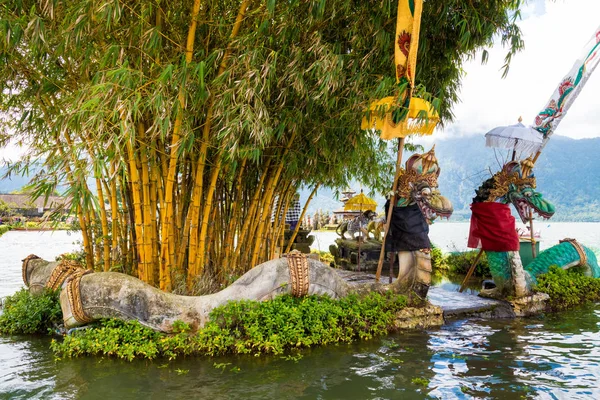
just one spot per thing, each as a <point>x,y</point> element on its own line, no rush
<point>515,184</point>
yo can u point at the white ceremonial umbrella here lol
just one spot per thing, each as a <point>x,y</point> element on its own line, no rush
<point>517,137</point>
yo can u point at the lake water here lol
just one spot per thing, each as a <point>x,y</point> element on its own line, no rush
<point>548,357</point>
<point>452,236</point>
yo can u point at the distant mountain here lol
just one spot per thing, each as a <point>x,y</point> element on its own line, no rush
<point>568,175</point>
<point>8,185</point>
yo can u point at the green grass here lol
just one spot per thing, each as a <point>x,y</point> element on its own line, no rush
<point>245,327</point>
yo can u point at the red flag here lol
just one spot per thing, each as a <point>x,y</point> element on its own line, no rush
<point>493,228</point>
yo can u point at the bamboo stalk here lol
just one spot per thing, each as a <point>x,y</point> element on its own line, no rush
<point>199,265</point>
<point>230,233</point>
<point>280,217</point>
<point>196,239</point>
<point>211,233</point>
<point>89,213</point>
<point>114,211</point>
<point>270,189</point>
<point>155,260</point>
<point>250,217</point>
<point>148,220</point>
<point>264,214</point>
<point>168,223</point>
<point>103,217</point>
<point>85,231</point>
<point>293,237</point>
<point>137,208</point>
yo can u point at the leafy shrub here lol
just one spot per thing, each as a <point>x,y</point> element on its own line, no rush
<point>438,261</point>
<point>568,288</point>
<point>4,229</point>
<point>325,256</point>
<point>25,313</point>
<point>78,256</point>
<point>460,263</point>
<point>245,327</point>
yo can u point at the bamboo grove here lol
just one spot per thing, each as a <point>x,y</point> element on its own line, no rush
<point>179,128</point>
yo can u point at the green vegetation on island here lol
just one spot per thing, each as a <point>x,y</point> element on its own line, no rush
<point>245,327</point>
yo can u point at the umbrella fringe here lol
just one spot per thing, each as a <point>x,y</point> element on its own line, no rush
<point>509,143</point>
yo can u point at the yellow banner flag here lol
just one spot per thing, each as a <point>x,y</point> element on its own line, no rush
<point>400,117</point>
<point>408,26</point>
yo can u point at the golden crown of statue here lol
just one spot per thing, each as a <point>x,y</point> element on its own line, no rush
<point>419,168</point>
<point>513,173</point>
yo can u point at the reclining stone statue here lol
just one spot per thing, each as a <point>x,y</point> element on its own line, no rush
<point>88,296</point>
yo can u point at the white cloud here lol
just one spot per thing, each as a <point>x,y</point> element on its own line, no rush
<point>554,33</point>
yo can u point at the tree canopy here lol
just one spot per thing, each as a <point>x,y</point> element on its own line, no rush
<point>194,118</point>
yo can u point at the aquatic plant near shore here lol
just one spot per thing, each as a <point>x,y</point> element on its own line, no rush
<point>568,288</point>
<point>24,313</point>
<point>4,229</point>
<point>245,327</point>
<point>458,262</point>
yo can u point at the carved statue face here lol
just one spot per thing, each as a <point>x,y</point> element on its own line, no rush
<point>418,184</point>
<point>525,198</point>
<point>511,185</point>
<point>431,203</point>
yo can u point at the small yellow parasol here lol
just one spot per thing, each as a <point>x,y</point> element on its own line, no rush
<point>360,203</point>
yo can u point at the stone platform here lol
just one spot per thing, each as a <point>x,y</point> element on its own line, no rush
<point>457,305</point>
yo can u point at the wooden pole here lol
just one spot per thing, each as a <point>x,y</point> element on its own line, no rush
<point>392,260</point>
<point>391,208</point>
<point>531,233</point>
<point>358,254</point>
<point>470,271</point>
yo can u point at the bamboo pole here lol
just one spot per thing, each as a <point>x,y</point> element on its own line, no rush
<point>154,229</point>
<point>85,231</point>
<point>278,203</point>
<point>391,208</point>
<point>280,220</point>
<point>270,189</point>
<point>90,214</point>
<point>114,211</point>
<point>137,209</point>
<point>103,217</point>
<point>211,230</point>
<point>104,226</point>
<point>196,238</point>
<point>234,219</point>
<point>129,220</point>
<point>198,267</point>
<point>533,252</point>
<point>293,237</point>
<point>148,220</point>
<point>250,216</point>
<point>470,271</point>
<point>169,222</point>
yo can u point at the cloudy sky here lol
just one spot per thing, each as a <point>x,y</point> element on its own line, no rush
<point>554,33</point>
